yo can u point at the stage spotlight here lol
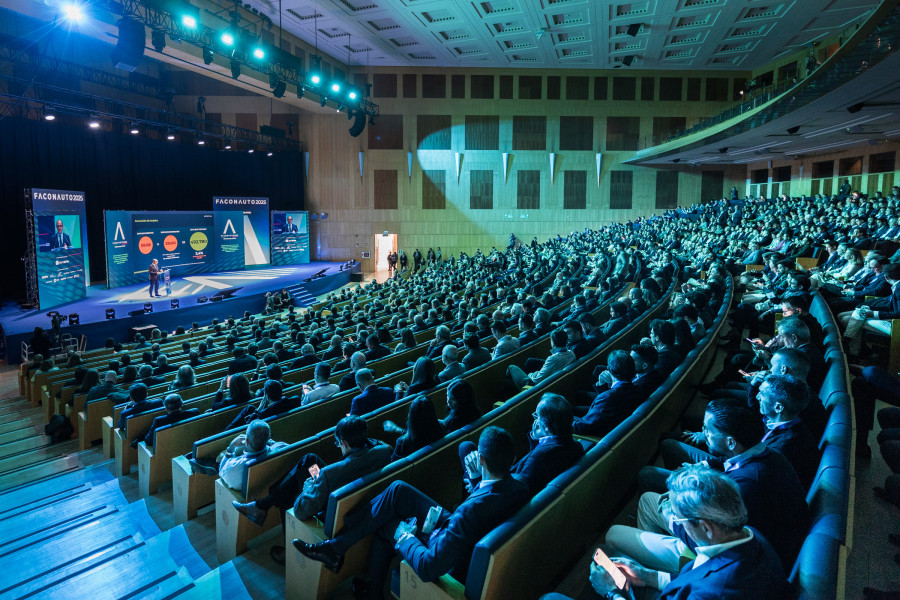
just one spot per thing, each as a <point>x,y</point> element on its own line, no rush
<point>340,106</point>
<point>235,69</point>
<point>189,21</point>
<point>259,53</point>
<point>110,313</point>
<point>227,144</point>
<point>73,12</point>
<point>855,108</point>
<point>158,40</point>
<point>279,89</point>
<point>270,153</point>
<point>170,135</point>
<point>300,91</point>
<point>315,73</point>
<point>793,130</point>
<point>633,29</point>
<point>723,150</point>
<point>148,308</point>
<point>315,79</point>
<point>207,56</point>
<point>134,129</point>
<point>322,101</point>
<point>174,303</point>
<point>227,38</point>
<point>74,319</point>
<point>250,151</point>
<point>201,142</point>
<point>335,87</point>
<point>49,114</point>
<point>352,95</point>
<point>94,122</point>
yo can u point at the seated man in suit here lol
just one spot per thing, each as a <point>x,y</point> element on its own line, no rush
<point>138,404</point>
<point>446,540</point>
<point>375,349</point>
<point>372,396</point>
<point>734,562</point>
<point>526,327</point>
<point>241,363</point>
<point>618,320</point>
<point>307,357</point>
<point>560,357</point>
<point>145,373</point>
<point>357,362</point>
<point>771,489</point>
<point>647,377</point>
<point>452,366</point>
<point>280,352</point>
<point>611,407</point>
<point>243,450</point>
<point>308,494</point>
<point>505,343</point>
<point>323,389</point>
<point>575,339</point>
<point>163,366</point>
<point>175,412</point>
<point>552,449</point>
<point>876,316</point>
<point>475,355</point>
<point>272,403</point>
<point>104,389</point>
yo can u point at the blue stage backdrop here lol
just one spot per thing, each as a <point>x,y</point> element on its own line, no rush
<point>256,226</point>
<point>290,238</point>
<point>60,234</point>
<point>184,242</point>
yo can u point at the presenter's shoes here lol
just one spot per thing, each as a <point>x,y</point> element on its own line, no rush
<point>159,295</point>
<point>277,554</point>
<point>249,510</point>
<point>321,552</point>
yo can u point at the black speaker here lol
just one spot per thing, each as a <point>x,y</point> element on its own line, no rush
<point>130,47</point>
<point>111,313</point>
<point>201,299</point>
<point>358,124</point>
<point>215,298</point>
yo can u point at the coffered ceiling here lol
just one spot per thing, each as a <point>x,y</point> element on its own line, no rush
<point>669,34</point>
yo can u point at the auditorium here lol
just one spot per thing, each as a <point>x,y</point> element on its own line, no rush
<point>629,328</point>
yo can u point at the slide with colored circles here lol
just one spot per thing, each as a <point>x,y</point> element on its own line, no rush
<point>185,243</point>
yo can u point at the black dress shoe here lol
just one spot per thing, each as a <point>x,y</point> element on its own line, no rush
<point>321,552</point>
<point>361,588</point>
<point>277,554</point>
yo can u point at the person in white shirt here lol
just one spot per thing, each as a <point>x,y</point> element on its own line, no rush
<point>243,450</point>
<point>560,357</point>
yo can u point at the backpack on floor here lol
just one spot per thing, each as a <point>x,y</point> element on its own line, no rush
<point>59,429</point>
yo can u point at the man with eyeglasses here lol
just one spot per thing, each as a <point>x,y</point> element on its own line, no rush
<point>60,240</point>
<point>733,561</point>
<point>308,492</point>
<point>769,485</point>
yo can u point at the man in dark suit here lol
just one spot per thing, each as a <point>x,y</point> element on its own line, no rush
<point>290,226</point>
<point>475,355</point>
<point>153,273</point>
<point>375,349</point>
<point>241,363</point>
<point>280,352</point>
<point>610,408</point>
<point>273,402</point>
<point>308,494</point>
<point>357,362</point>
<point>307,357</point>
<point>60,240</point>
<point>738,563</point>
<point>145,373</point>
<point>552,449</point>
<point>175,412</point>
<point>575,339</point>
<point>648,378</point>
<point>163,366</point>
<point>372,397</point>
<point>138,404</point>
<point>618,320</point>
<point>781,400</point>
<point>446,540</point>
<point>526,326</point>
<point>104,389</point>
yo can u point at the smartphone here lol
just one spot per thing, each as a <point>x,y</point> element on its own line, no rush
<point>228,381</point>
<point>314,471</point>
<point>744,373</point>
<point>603,561</point>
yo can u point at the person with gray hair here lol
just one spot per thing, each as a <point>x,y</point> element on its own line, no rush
<point>104,389</point>
<point>357,362</point>
<point>441,339</point>
<point>163,366</point>
<point>452,366</point>
<point>244,449</point>
<point>183,378</point>
<point>733,561</point>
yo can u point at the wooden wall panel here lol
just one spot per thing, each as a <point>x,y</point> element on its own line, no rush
<point>574,190</point>
<point>712,185</point>
<point>246,121</point>
<point>576,133</point>
<point>433,132</point>
<point>434,189</point>
<point>529,133</point>
<point>385,189</point>
<point>528,190</point>
<point>621,184</point>
<point>384,85</point>
<point>622,133</point>
<point>386,133</point>
<point>666,189</point>
<point>481,189</point>
<point>482,132</point>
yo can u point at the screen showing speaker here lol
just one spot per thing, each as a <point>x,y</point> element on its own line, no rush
<point>60,237</point>
<point>290,238</point>
<point>183,242</point>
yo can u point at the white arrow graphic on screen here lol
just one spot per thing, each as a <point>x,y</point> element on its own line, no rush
<point>118,231</point>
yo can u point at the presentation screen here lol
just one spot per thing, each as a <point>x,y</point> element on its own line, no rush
<point>183,242</point>
<point>256,226</point>
<point>290,238</point>
<point>60,236</point>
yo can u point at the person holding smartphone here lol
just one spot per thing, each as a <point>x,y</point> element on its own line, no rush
<point>734,562</point>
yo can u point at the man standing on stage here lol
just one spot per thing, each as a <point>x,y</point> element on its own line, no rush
<point>60,240</point>
<point>290,227</point>
<point>154,278</point>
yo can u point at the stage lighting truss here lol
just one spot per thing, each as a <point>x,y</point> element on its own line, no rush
<point>240,42</point>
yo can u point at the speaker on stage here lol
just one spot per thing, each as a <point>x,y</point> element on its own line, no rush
<point>130,47</point>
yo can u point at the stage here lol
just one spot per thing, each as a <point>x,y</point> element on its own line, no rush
<point>248,286</point>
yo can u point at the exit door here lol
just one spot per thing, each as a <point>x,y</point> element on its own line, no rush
<point>384,245</point>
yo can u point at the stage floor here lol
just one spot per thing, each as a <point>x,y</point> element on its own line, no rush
<point>18,323</point>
